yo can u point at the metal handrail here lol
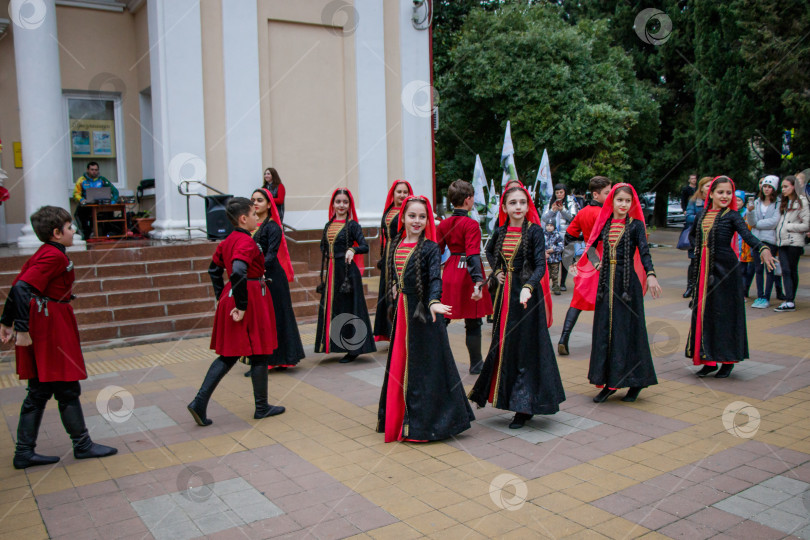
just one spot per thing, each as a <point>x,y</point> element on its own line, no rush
<point>316,240</point>
<point>188,194</point>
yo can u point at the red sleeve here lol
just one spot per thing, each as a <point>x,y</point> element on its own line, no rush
<point>43,268</point>
<point>279,199</point>
<point>440,236</point>
<point>217,258</point>
<point>472,238</point>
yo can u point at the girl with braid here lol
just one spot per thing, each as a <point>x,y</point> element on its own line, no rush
<point>278,272</point>
<point>422,397</point>
<point>343,323</point>
<point>389,227</point>
<point>520,373</point>
<point>620,353</point>
<point>718,333</point>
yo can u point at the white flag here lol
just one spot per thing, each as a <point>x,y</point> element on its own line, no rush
<point>543,187</point>
<point>492,207</point>
<point>508,156</point>
<point>479,183</point>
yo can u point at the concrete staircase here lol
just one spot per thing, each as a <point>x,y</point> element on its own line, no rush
<point>150,293</point>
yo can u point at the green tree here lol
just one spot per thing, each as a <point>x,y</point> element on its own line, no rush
<point>563,86</point>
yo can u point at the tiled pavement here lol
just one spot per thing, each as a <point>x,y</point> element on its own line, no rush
<point>690,459</point>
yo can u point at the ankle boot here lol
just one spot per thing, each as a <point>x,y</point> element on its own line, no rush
<point>198,407</point>
<point>83,446</point>
<point>725,371</point>
<point>603,395</point>
<point>632,394</point>
<point>706,370</point>
<point>474,348</point>
<point>258,374</point>
<point>568,325</point>
<point>519,420</point>
<point>27,431</point>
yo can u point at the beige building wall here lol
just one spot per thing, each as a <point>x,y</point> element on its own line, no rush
<point>10,131</point>
<point>216,146</point>
<point>308,102</point>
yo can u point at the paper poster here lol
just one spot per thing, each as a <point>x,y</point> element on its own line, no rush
<point>102,143</point>
<point>81,142</point>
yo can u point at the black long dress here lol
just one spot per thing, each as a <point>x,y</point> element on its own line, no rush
<point>382,325</point>
<point>724,337</point>
<point>520,373</point>
<point>290,349</point>
<point>620,353</point>
<point>420,360</point>
<point>343,316</point>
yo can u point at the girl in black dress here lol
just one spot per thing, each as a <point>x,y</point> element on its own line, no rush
<point>343,323</point>
<point>520,373</point>
<point>620,352</point>
<point>389,228</point>
<point>278,272</point>
<point>718,333</point>
<point>422,397</point>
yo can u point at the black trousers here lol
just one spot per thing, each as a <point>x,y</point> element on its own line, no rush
<point>40,392</point>
<point>789,260</point>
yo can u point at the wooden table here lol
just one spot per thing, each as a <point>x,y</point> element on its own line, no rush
<point>102,208</point>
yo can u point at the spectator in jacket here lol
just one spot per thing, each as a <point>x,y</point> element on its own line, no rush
<point>762,217</point>
<point>554,249</point>
<point>688,190</point>
<point>794,222</point>
<point>561,211</point>
<point>692,210</point>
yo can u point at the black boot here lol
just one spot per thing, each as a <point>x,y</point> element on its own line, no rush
<point>473,341</point>
<point>258,374</point>
<point>27,431</point>
<point>348,358</point>
<point>688,292</point>
<point>219,368</point>
<point>603,395</point>
<point>570,320</point>
<point>632,394</point>
<point>725,371</point>
<point>519,420</point>
<point>83,446</point>
<point>706,370</point>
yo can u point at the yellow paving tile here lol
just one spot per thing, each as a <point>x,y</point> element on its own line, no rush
<point>33,532</point>
<point>395,532</point>
<point>430,522</point>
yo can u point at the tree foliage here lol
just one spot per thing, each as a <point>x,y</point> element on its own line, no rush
<point>563,86</point>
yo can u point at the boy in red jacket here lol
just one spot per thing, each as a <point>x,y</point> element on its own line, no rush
<point>245,322</point>
<point>579,231</point>
<point>48,351</point>
<point>463,278</point>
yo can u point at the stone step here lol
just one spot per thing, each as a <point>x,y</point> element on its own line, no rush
<point>156,325</point>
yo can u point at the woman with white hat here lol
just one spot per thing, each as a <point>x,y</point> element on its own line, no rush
<point>794,223</point>
<point>763,216</point>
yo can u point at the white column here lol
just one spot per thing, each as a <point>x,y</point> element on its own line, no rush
<point>175,56</point>
<point>42,124</point>
<point>417,141</point>
<point>240,55</point>
<point>372,167</point>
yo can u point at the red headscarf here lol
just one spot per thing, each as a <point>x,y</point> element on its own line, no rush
<point>389,202</point>
<point>430,227</point>
<point>702,278</point>
<point>351,216</point>
<point>533,217</point>
<point>587,279</point>
<point>283,253</point>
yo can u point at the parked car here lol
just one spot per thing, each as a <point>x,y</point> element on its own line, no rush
<point>675,215</point>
